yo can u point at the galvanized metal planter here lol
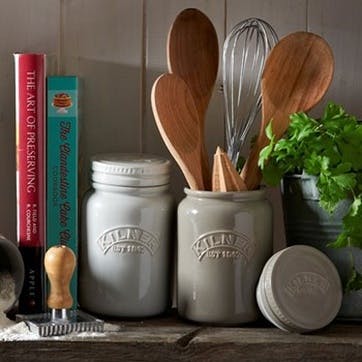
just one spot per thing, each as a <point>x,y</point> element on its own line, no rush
<point>307,223</point>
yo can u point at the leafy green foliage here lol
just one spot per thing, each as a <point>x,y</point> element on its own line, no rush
<point>240,163</point>
<point>329,148</point>
<point>354,282</point>
<point>266,151</point>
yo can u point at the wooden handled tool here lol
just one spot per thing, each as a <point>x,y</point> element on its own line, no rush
<point>296,76</point>
<point>59,262</point>
<point>224,175</point>
<point>178,123</point>
<point>193,55</point>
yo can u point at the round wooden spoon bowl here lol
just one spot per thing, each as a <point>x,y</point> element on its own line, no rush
<point>178,123</point>
<point>296,76</point>
<point>193,55</point>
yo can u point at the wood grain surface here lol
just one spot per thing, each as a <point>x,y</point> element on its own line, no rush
<point>168,338</point>
<point>224,175</point>
<point>177,120</point>
<point>296,76</point>
<point>193,54</point>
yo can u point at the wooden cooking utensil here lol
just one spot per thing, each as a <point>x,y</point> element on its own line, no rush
<point>193,54</point>
<point>296,76</point>
<point>178,123</point>
<point>59,262</point>
<point>224,175</point>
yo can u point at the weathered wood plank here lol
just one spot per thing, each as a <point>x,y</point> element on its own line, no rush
<point>171,339</point>
<point>335,343</point>
<point>102,44</point>
<point>339,23</point>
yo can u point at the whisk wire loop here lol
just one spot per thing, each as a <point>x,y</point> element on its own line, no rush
<point>244,54</point>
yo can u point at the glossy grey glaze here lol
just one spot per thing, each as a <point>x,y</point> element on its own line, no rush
<point>224,239</point>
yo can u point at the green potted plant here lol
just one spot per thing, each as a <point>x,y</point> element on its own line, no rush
<point>319,162</point>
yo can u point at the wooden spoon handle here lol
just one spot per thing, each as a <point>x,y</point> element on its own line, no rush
<point>206,172</point>
<point>250,172</point>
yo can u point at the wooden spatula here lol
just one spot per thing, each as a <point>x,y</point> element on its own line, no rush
<point>224,175</point>
<point>178,123</point>
<point>296,76</point>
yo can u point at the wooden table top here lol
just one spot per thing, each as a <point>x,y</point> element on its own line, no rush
<point>168,338</point>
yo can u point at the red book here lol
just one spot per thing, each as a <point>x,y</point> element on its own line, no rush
<point>30,72</point>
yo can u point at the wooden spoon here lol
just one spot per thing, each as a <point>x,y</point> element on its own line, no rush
<point>193,54</point>
<point>296,76</point>
<point>178,122</point>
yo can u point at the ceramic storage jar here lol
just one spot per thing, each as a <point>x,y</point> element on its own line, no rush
<point>126,237</point>
<point>224,240</point>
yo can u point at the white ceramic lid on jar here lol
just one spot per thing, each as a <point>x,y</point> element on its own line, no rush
<point>299,289</point>
<point>130,169</point>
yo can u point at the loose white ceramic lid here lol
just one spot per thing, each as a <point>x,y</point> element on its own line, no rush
<point>130,169</point>
<point>263,302</point>
<point>302,287</point>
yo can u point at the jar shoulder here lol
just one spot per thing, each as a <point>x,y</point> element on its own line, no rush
<point>96,197</point>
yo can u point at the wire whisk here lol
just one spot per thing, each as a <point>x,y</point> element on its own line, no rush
<point>244,53</point>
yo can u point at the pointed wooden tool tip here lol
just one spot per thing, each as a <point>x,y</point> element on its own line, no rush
<point>215,178</point>
<point>225,177</point>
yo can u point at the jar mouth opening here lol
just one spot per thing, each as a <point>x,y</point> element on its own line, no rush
<point>232,195</point>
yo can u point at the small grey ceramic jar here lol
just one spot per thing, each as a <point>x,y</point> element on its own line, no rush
<point>224,240</point>
<point>125,246</point>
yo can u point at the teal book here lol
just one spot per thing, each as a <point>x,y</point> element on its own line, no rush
<point>62,166</point>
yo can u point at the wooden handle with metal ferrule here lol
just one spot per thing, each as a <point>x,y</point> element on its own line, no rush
<point>59,262</point>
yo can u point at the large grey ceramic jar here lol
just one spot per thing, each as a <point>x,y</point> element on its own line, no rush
<point>224,240</point>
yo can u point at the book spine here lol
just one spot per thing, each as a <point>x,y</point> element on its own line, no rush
<point>62,166</point>
<point>30,70</point>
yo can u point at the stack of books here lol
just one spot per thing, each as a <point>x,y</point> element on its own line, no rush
<point>47,171</point>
